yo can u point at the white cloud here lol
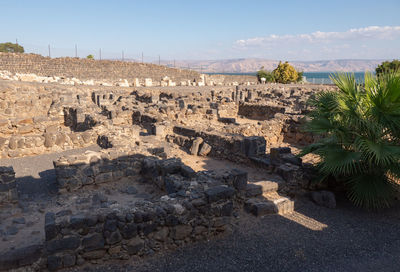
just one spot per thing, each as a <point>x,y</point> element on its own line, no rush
<point>365,34</point>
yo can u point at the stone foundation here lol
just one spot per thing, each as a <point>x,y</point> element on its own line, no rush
<point>8,189</point>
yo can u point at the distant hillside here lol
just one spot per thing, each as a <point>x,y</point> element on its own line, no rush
<point>252,65</point>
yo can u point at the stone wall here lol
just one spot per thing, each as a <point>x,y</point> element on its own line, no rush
<point>234,147</point>
<point>86,69</point>
<point>8,190</point>
<point>18,146</point>
<point>73,172</point>
<point>259,111</point>
<point>196,206</point>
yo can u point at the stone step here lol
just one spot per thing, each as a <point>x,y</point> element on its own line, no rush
<point>261,187</point>
<point>270,203</point>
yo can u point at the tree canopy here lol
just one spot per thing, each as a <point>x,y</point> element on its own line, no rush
<point>285,73</point>
<point>11,48</point>
<point>388,66</point>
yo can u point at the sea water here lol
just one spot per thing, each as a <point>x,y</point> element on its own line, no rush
<point>313,77</point>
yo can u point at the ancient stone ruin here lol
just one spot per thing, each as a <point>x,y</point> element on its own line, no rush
<point>137,168</point>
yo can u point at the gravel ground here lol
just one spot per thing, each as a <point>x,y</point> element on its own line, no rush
<point>312,239</point>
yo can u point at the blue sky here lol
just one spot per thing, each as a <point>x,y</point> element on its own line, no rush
<point>292,30</point>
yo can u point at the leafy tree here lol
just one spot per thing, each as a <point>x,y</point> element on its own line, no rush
<point>299,76</point>
<point>90,57</point>
<point>11,48</point>
<point>360,144</point>
<point>269,76</point>
<point>388,66</point>
<point>285,73</point>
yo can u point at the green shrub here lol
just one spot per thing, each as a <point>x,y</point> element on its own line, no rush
<point>300,76</point>
<point>11,48</point>
<point>269,76</point>
<point>90,57</point>
<point>360,144</point>
<point>285,73</point>
<point>388,66</point>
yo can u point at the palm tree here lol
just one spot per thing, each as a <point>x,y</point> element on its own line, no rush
<point>360,143</point>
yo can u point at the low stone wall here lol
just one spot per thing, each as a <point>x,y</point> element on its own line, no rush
<point>235,147</point>
<point>8,190</point>
<point>196,206</point>
<point>259,111</point>
<point>76,171</point>
<point>17,146</point>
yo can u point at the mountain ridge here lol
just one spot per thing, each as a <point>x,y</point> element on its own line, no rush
<point>250,65</point>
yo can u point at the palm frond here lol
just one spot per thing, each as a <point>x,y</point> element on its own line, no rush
<point>371,191</point>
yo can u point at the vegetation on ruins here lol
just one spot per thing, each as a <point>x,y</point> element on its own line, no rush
<point>285,73</point>
<point>360,129</point>
<point>299,76</point>
<point>387,67</point>
<point>269,76</point>
<point>90,57</point>
<point>11,48</point>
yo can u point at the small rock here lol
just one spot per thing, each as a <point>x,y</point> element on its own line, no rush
<point>11,230</point>
<point>131,190</point>
<point>324,198</point>
<point>20,220</point>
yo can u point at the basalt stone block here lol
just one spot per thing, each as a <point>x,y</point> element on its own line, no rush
<point>187,171</point>
<point>110,225</point>
<point>104,177</point>
<point>148,228</point>
<point>135,246</point>
<point>95,254</point>
<point>68,243</point>
<point>227,120</point>
<point>170,166</point>
<point>219,192</point>
<point>253,190</point>
<point>50,227</point>
<point>254,146</point>
<point>54,262</point>
<point>93,242</point>
<point>291,158</point>
<point>227,209</point>
<point>171,185</point>
<point>276,153</point>
<point>180,232</point>
<point>290,173</point>
<point>239,179</point>
<point>260,208</point>
<point>69,260</point>
<point>171,220</point>
<point>20,257</point>
<point>129,231</point>
<point>113,237</point>
<point>66,172</point>
<point>184,131</point>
